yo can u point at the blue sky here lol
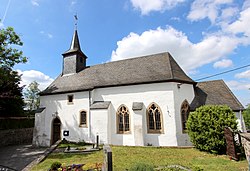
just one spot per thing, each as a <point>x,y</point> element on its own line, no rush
<point>205,37</point>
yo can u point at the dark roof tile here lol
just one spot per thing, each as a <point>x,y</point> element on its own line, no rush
<point>100,105</point>
<point>148,69</point>
<point>214,93</point>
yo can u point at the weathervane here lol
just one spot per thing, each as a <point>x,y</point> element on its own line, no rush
<point>76,21</point>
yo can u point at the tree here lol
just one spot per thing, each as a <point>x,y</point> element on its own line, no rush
<point>11,102</point>
<point>206,127</point>
<point>246,116</point>
<point>10,56</point>
<point>31,96</point>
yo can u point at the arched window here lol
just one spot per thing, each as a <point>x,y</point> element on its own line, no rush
<point>154,119</point>
<point>123,120</point>
<point>83,118</point>
<point>185,109</point>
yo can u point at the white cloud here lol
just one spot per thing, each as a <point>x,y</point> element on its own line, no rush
<point>147,6</point>
<point>73,2</point>
<point>236,85</point>
<point>245,74</point>
<point>189,55</point>
<point>50,36</point>
<point>228,14</point>
<point>246,4</point>
<point>210,9</point>
<point>35,3</point>
<point>175,19</point>
<point>224,63</point>
<point>33,75</point>
<point>242,24</point>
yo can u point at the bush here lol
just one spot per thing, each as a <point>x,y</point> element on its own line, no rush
<point>206,127</point>
<point>246,116</point>
<point>141,167</point>
<point>56,165</point>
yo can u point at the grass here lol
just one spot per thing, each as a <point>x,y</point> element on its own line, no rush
<point>125,157</point>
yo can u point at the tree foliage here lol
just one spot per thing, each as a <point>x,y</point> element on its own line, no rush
<point>31,96</point>
<point>246,116</point>
<point>206,127</point>
<point>9,56</point>
<point>11,102</point>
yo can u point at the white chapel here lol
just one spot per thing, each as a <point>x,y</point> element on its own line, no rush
<point>136,102</point>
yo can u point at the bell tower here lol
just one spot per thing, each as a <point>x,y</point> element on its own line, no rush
<point>74,60</point>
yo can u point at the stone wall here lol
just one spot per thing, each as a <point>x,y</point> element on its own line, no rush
<point>16,136</point>
<point>245,141</point>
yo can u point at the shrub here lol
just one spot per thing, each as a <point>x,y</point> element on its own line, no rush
<point>56,165</point>
<point>206,127</point>
<point>246,116</point>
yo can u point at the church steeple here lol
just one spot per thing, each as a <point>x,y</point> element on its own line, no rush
<point>75,44</point>
<point>74,60</point>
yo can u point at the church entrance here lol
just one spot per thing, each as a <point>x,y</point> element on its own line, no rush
<point>56,130</point>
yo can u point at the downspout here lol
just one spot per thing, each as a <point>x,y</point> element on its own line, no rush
<point>89,115</point>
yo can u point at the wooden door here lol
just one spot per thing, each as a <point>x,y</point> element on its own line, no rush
<point>56,132</point>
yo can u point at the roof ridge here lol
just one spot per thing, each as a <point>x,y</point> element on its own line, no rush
<point>210,81</point>
<point>131,58</point>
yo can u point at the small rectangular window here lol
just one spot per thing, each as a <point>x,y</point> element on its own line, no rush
<point>70,99</point>
<point>83,119</point>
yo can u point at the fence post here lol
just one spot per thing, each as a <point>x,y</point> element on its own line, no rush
<point>108,164</point>
<point>97,141</point>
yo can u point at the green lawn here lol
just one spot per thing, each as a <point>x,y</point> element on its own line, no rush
<point>125,157</point>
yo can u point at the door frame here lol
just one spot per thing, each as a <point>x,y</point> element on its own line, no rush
<point>52,129</point>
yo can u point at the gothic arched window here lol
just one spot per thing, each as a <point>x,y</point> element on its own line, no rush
<point>154,119</point>
<point>185,109</point>
<point>123,120</point>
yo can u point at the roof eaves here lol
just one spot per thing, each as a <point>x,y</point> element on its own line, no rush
<point>117,85</point>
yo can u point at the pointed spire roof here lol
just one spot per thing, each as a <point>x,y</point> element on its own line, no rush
<point>75,45</point>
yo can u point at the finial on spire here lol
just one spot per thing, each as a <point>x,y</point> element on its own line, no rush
<point>76,21</point>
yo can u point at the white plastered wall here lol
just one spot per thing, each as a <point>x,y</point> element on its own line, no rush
<point>160,93</point>
<point>68,114</point>
<point>100,125</point>
<point>103,121</point>
<point>182,92</point>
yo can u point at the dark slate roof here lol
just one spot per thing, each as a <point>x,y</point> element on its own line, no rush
<point>214,93</point>
<point>100,105</point>
<point>74,46</point>
<point>147,69</point>
<point>137,106</point>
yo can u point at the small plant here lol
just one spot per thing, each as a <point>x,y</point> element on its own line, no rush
<point>55,166</point>
<point>81,143</point>
<point>141,167</point>
<point>197,168</point>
